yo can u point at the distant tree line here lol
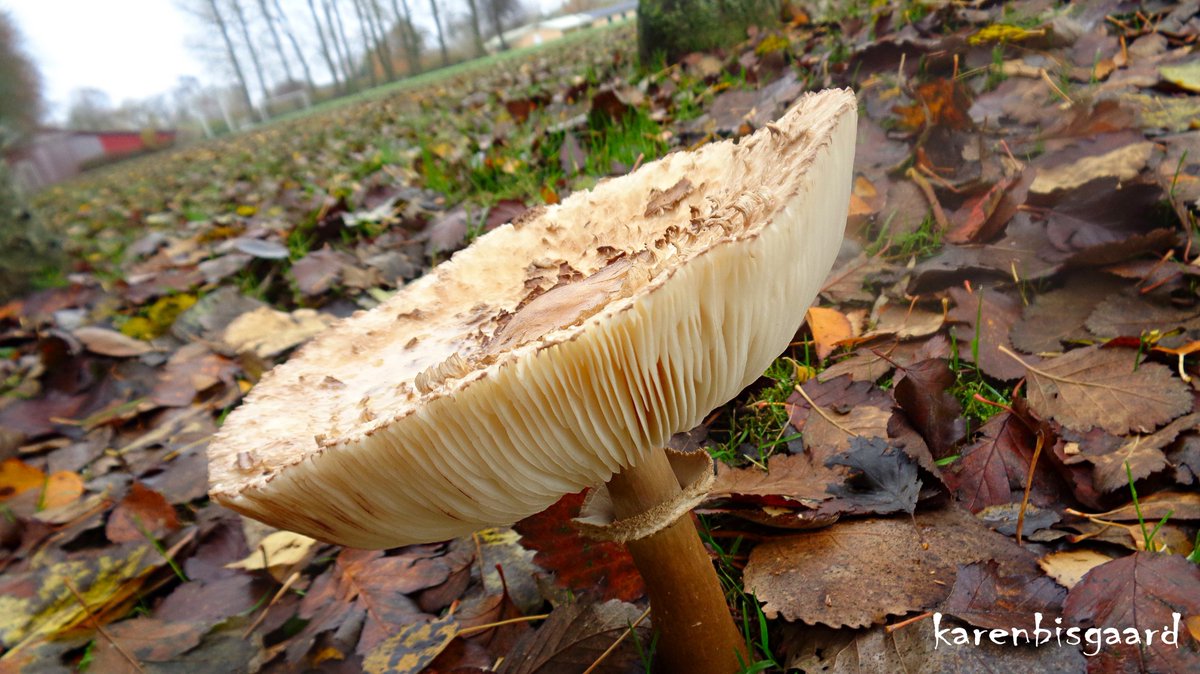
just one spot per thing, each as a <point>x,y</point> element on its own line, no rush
<point>321,48</point>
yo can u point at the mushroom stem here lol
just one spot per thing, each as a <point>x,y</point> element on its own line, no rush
<point>688,610</point>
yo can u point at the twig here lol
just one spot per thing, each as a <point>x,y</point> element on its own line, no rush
<point>1037,452</point>
<point>616,643</point>
<point>468,631</point>
<point>818,410</point>
<point>905,623</point>
<point>283,588</point>
<point>100,628</point>
<point>938,214</point>
<point>1046,76</point>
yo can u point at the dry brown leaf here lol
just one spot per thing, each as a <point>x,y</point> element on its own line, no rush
<point>906,321</point>
<point>1094,387</point>
<point>789,477</point>
<point>267,332</point>
<point>818,577</point>
<point>827,432</point>
<point>1069,566</point>
<point>829,328</point>
<point>110,342</point>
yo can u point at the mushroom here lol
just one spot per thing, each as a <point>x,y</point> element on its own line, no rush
<point>561,352</point>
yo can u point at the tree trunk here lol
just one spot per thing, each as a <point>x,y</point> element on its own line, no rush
<point>437,21</point>
<point>337,78</point>
<point>232,54</point>
<point>476,33</point>
<point>381,39</point>
<point>291,36</point>
<point>364,33</point>
<point>344,53</point>
<point>258,69</point>
<point>412,39</point>
<point>669,29</point>
<point>497,25</point>
<point>287,66</point>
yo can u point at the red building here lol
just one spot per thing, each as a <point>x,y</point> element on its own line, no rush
<point>53,155</point>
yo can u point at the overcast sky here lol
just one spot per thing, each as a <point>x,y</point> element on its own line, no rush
<point>133,49</point>
<point>128,48</point>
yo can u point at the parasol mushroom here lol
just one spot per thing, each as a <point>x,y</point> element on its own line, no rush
<point>561,352</point>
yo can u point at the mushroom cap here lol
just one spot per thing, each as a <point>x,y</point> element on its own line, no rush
<point>553,351</point>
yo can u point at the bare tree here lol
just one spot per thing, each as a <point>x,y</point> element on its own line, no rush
<point>214,15</point>
<point>379,31</point>
<point>495,9</point>
<point>364,33</point>
<point>287,66</point>
<point>346,54</point>
<point>291,36</point>
<point>476,33</point>
<point>408,37</point>
<point>254,60</point>
<point>437,21</point>
<point>329,62</point>
<point>20,84</point>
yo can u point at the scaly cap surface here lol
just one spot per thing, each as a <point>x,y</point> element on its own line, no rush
<point>552,352</point>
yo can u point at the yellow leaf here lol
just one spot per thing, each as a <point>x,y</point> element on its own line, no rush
<point>829,326</point>
<point>48,607</point>
<point>246,210</point>
<point>63,488</point>
<point>16,477</point>
<point>277,553</point>
<point>411,649</point>
<point>1002,32</point>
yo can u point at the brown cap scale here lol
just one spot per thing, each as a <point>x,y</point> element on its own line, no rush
<point>552,353</point>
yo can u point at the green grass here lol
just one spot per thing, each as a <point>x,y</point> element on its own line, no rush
<point>746,608</point>
<point>762,422</point>
<point>921,243</point>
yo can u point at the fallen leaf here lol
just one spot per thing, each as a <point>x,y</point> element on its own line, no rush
<point>1141,453</point>
<point>266,250</point>
<point>987,317</point>
<point>1058,316</point>
<point>789,479</point>
<point>267,332</point>
<point>575,636</point>
<point>993,470</point>
<point>1068,567</point>
<point>152,640</point>
<point>1004,518</point>
<point>985,596</point>
<point>366,585</point>
<point>191,370</point>
<point>110,342</point>
<point>1183,75</point>
<point>1142,591</point>
<point>279,553</point>
<point>62,488</point>
<point>1094,387</point>
<point>17,477</point>
<point>906,321</point>
<point>142,514</point>
<point>412,648</point>
<point>818,577</point>
<point>578,563</point>
<point>1120,155</point>
<point>923,395</point>
<point>829,327</point>
<point>317,271</point>
<point>882,480</point>
<point>1179,505</point>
